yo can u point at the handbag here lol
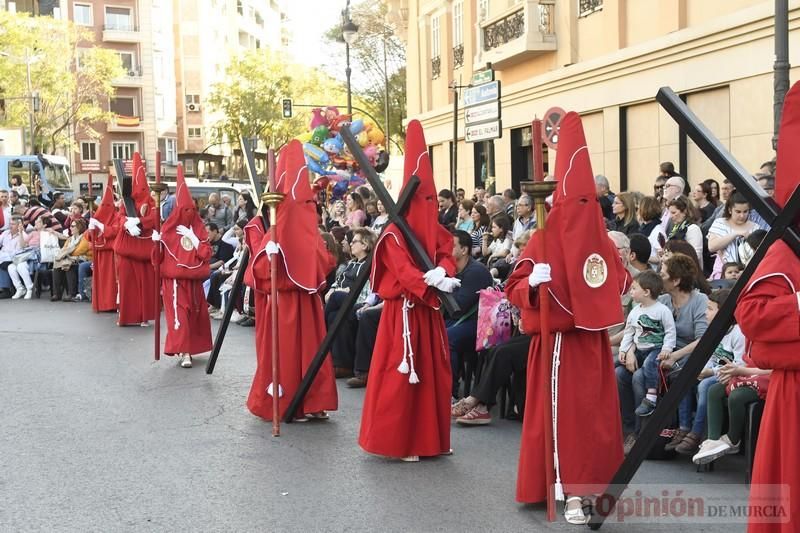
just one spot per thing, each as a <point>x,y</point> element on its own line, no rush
<point>23,256</point>
<point>495,319</point>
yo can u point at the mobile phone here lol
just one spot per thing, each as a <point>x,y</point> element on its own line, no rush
<point>661,240</point>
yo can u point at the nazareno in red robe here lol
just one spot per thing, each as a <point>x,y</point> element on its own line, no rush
<point>768,311</point>
<point>303,264</point>
<point>183,270</point>
<point>587,280</point>
<point>137,279</point>
<point>407,404</point>
<point>104,276</point>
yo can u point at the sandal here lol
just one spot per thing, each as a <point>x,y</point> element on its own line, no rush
<point>460,408</point>
<point>320,415</point>
<point>575,516</point>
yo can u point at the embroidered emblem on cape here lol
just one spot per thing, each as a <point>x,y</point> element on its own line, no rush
<point>186,244</point>
<point>595,271</point>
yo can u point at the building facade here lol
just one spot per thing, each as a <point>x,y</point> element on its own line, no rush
<point>205,41</point>
<point>605,59</point>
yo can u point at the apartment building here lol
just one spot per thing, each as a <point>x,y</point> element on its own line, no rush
<point>208,33</point>
<point>140,32</point>
<point>605,59</point>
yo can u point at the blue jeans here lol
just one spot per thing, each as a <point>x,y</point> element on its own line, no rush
<point>650,366</point>
<point>461,340</point>
<point>699,426</point>
<point>84,268</point>
<point>631,390</point>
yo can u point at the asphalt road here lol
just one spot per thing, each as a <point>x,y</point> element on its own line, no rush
<point>96,436</point>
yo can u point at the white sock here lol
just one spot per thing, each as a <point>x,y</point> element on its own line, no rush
<point>651,397</point>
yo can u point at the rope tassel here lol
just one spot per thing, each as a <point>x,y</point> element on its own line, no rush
<point>559,488</point>
<point>175,303</point>
<point>407,364</point>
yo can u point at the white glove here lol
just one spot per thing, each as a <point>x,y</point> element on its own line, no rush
<point>272,248</point>
<point>132,226</point>
<point>96,224</point>
<point>540,274</point>
<point>449,284</point>
<point>433,277</point>
<point>155,236</point>
<point>183,231</point>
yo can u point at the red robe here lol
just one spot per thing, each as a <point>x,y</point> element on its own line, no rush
<point>300,332</point>
<point>192,332</point>
<point>104,276</point>
<point>769,317</point>
<point>137,278</point>
<point>399,418</point>
<point>588,409</point>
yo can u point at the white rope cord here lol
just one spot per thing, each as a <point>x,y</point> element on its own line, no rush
<point>559,489</point>
<point>407,364</point>
<point>175,303</point>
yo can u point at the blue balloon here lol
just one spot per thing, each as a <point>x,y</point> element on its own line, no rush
<point>356,126</point>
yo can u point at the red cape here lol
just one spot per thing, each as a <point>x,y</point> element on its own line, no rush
<point>104,277</point>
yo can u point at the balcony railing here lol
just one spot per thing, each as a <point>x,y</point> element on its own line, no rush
<point>436,67</point>
<point>120,26</point>
<point>587,7</point>
<point>458,56</point>
<point>524,30</point>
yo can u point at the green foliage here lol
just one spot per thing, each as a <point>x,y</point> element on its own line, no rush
<point>378,60</point>
<point>73,92</point>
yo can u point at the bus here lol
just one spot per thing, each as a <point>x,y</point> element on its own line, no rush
<point>52,170</point>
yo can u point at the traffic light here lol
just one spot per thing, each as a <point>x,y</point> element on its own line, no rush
<point>287,108</point>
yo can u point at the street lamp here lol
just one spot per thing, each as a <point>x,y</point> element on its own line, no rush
<point>33,97</point>
<point>349,35</point>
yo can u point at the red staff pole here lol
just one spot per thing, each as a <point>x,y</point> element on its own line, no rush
<point>539,190</point>
<point>272,199</point>
<point>158,188</point>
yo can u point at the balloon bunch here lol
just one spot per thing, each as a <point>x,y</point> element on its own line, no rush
<point>329,157</point>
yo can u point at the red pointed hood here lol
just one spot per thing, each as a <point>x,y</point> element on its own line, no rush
<point>185,211</point>
<point>423,210</point>
<point>141,190</point>
<point>584,261</point>
<point>106,212</point>
<point>787,171</point>
<point>297,232</point>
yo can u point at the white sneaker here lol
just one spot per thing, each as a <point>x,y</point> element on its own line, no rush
<point>711,450</point>
<point>217,315</point>
<point>19,294</point>
<point>29,294</point>
<point>186,362</point>
<point>236,316</point>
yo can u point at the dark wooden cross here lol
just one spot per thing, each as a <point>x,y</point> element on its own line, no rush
<point>126,184</point>
<point>781,228</point>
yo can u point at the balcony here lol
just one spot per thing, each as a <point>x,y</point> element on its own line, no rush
<point>519,33</point>
<point>458,56</point>
<point>121,33</point>
<point>132,78</point>
<point>123,124</point>
<point>436,67</point>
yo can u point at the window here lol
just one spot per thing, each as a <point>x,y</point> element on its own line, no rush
<point>119,18</point>
<point>123,105</point>
<point>458,21</point>
<point>192,99</point>
<point>587,7</point>
<point>435,37</point>
<point>82,14</point>
<point>483,10</point>
<point>89,151</point>
<point>195,133</point>
<point>122,150</point>
<point>127,62</point>
<point>169,150</point>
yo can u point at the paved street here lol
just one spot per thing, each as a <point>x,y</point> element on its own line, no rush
<point>98,437</point>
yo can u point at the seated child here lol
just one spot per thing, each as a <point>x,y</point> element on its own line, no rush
<point>650,335</point>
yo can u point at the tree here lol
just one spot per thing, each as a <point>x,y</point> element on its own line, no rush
<point>378,59</point>
<point>72,77</point>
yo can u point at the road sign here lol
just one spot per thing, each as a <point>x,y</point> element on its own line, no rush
<point>552,123</point>
<point>482,76</point>
<point>483,132</point>
<point>482,93</point>
<point>482,113</point>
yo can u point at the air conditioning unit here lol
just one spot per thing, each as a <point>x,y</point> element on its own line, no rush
<point>132,73</point>
<point>193,107</point>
